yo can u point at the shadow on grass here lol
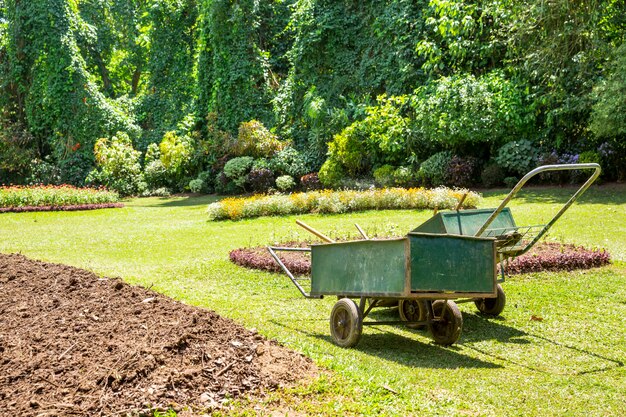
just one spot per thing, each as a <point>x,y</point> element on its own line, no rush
<point>406,351</point>
<point>477,328</point>
<point>186,201</point>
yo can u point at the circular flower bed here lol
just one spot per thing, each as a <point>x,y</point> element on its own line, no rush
<point>546,256</point>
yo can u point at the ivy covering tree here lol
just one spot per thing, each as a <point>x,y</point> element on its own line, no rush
<point>398,92</point>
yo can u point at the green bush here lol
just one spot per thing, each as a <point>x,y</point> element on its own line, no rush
<point>462,110</point>
<point>118,165</point>
<point>290,162</point>
<point>176,155</point>
<point>261,163</point>
<point>331,173</point>
<point>384,175</point>
<point>156,175</point>
<point>44,172</point>
<point>403,176</point>
<point>379,139</point>
<point>195,186</point>
<point>608,116</point>
<point>588,157</point>
<point>237,169</point>
<point>285,183</point>
<point>517,157</point>
<point>510,182</point>
<point>208,181</point>
<point>492,175</point>
<point>435,168</point>
<point>255,140</point>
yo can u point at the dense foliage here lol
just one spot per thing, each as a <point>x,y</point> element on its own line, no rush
<point>348,89</point>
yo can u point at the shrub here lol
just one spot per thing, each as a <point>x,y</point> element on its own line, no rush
<point>117,165</point>
<point>54,196</point>
<point>434,169</point>
<point>288,162</point>
<point>403,176</point>
<point>331,173</point>
<point>224,185</point>
<point>260,180</point>
<point>155,175</point>
<point>208,181</point>
<point>237,170</point>
<point>44,172</point>
<point>176,155</point>
<point>261,163</point>
<point>462,172</point>
<point>152,154</point>
<point>310,182</point>
<point>511,182</point>
<point>379,139</point>
<point>384,175</point>
<point>195,186</point>
<point>328,201</point>
<point>558,257</point>
<point>255,140</point>
<point>463,110</point>
<point>517,157</point>
<point>285,183</point>
<point>492,175</point>
<point>589,157</point>
<point>159,192</point>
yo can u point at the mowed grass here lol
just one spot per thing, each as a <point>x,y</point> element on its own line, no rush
<point>567,361</point>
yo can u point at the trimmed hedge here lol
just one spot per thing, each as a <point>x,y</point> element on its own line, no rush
<point>328,201</point>
<point>22,198</point>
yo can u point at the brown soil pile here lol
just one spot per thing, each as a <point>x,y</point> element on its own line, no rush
<point>72,344</point>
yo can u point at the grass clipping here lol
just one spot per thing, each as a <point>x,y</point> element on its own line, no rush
<point>334,202</point>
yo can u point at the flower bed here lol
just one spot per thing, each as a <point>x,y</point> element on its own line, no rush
<point>328,201</point>
<point>61,197</point>
<point>542,257</point>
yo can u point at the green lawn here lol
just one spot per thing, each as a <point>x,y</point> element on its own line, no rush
<point>570,363</point>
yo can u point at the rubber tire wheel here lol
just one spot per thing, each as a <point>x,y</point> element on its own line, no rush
<point>447,331</point>
<point>492,306</point>
<point>346,323</point>
<point>413,310</point>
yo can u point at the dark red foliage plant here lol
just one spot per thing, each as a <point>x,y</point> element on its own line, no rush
<point>543,257</point>
<point>558,257</point>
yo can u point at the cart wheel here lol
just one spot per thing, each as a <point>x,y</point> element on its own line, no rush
<point>346,323</point>
<point>492,306</point>
<point>412,310</point>
<point>448,329</point>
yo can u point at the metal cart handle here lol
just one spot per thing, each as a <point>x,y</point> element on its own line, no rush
<point>539,170</point>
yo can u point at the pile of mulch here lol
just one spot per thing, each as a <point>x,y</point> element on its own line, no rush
<point>545,256</point>
<point>73,344</point>
<point>75,207</point>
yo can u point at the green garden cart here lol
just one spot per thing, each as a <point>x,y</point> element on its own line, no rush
<point>454,255</point>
